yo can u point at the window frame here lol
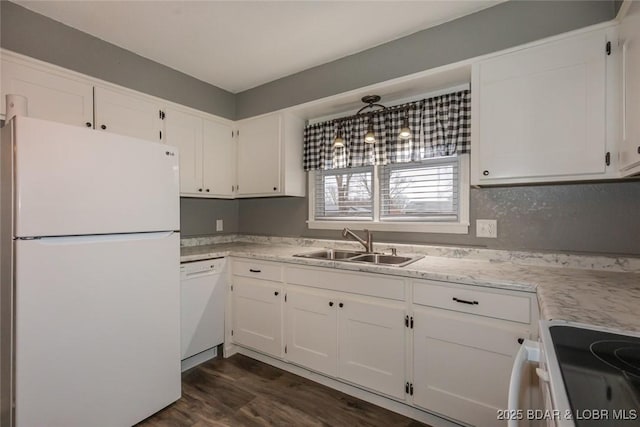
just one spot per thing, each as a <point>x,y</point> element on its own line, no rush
<point>461,226</point>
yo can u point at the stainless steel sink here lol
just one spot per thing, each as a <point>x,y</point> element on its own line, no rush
<point>360,257</point>
<point>381,259</point>
<point>335,254</point>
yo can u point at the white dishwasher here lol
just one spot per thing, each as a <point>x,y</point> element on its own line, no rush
<point>203,294</point>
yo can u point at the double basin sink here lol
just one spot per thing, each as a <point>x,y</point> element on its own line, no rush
<point>361,257</point>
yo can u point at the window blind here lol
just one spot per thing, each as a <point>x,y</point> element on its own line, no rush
<point>344,193</point>
<point>425,191</point>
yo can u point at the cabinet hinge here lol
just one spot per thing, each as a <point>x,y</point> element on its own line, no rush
<point>160,135</point>
<point>232,332</point>
<point>232,288</point>
<point>408,388</point>
<point>608,48</point>
<point>285,299</point>
<point>285,348</point>
<point>406,321</point>
<point>607,158</point>
<point>161,114</point>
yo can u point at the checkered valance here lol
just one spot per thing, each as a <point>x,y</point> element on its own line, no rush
<point>440,126</point>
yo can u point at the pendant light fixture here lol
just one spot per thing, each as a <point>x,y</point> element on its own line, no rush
<point>370,136</point>
<point>371,101</point>
<point>405,131</point>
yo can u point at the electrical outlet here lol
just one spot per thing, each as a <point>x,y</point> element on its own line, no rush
<point>487,228</point>
<point>219,226</point>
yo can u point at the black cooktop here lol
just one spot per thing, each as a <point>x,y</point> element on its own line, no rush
<point>601,373</point>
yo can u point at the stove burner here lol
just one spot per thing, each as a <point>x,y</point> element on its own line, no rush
<point>621,355</point>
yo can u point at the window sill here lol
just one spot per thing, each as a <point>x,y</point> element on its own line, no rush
<point>416,227</point>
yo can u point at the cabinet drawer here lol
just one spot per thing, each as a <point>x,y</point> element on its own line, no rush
<point>257,269</point>
<point>468,300</point>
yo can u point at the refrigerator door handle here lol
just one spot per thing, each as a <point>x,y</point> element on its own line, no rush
<point>95,238</point>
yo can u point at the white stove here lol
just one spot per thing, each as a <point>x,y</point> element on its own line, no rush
<point>590,376</point>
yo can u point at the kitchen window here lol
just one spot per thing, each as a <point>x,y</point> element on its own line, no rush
<point>427,196</point>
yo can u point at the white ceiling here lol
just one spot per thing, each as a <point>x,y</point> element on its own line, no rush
<point>237,45</point>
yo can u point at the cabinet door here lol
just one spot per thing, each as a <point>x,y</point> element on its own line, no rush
<point>259,155</point>
<point>50,96</point>
<point>127,115</point>
<point>185,132</point>
<point>542,112</point>
<point>218,159</point>
<point>462,364</point>
<point>630,40</point>
<point>371,344</point>
<point>311,330</point>
<point>257,315</point>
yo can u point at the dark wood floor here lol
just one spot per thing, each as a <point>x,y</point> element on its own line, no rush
<point>240,391</point>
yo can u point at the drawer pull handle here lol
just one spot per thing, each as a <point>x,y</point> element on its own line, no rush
<point>341,305</point>
<point>520,340</point>
<point>462,301</point>
<point>255,271</point>
<point>276,293</point>
<point>330,303</point>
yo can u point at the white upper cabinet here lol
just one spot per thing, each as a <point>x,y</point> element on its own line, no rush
<point>184,131</point>
<point>50,96</point>
<point>126,114</point>
<point>218,158</point>
<point>206,153</point>
<point>540,113</point>
<point>630,67</point>
<point>270,156</point>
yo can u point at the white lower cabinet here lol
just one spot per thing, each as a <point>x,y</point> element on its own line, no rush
<point>311,325</point>
<point>357,339</point>
<point>462,364</point>
<point>257,314</point>
<point>444,348</point>
<point>371,344</point>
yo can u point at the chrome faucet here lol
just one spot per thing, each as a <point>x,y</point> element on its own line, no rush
<point>368,244</point>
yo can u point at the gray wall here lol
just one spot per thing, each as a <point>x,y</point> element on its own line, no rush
<point>35,35</point>
<point>198,216</point>
<point>587,218</point>
<point>499,27</point>
<point>595,218</point>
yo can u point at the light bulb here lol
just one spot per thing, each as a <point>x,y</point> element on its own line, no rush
<point>405,132</point>
<point>370,137</point>
<point>338,142</point>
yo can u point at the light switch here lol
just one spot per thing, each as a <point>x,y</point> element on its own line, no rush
<point>219,226</point>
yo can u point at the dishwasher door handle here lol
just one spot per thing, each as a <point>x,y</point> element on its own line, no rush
<point>529,352</point>
<point>200,274</point>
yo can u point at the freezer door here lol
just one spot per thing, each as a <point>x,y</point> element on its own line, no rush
<point>97,329</point>
<point>74,181</point>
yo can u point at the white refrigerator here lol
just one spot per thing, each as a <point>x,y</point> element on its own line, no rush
<point>90,290</point>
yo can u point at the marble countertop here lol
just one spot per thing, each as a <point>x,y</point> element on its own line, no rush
<point>566,289</point>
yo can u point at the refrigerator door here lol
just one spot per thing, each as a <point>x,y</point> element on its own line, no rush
<point>97,329</point>
<point>74,181</point>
